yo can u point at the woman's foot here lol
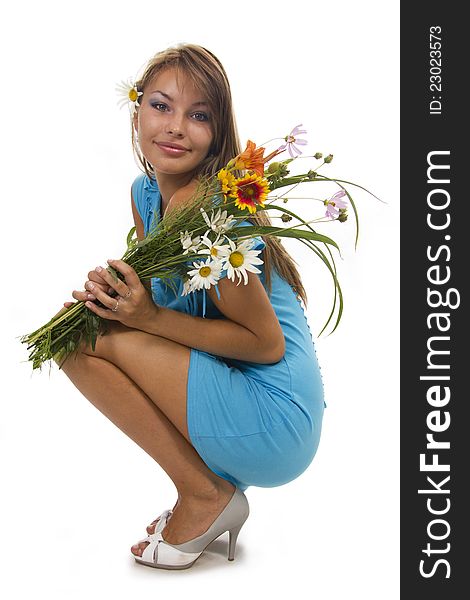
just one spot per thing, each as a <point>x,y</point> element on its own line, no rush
<point>151,528</point>
<point>191,517</point>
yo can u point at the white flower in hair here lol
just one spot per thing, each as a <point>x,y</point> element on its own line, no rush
<point>128,94</point>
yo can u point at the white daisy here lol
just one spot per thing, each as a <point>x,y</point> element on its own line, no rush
<point>189,244</point>
<point>214,249</point>
<point>240,259</point>
<point>218,222</point>
<point>128,93</point>
<point>204,274</point>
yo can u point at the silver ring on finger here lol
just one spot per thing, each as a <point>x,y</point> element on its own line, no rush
<point>116,306</point>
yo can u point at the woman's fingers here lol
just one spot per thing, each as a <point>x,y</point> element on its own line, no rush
<point>103,286</point>
<point>96,278</point>
<point>103,312</point>
<point>132,280</point>
<point>110,303</point>
<point>122,288</point>
<point>83,296</point>
<point>94,291</point>
<point>98,284</point>
<point>132,305</point>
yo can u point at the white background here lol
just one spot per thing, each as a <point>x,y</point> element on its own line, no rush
<point>76,492</point>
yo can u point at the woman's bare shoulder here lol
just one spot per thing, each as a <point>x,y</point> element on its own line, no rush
<point>182,195</point>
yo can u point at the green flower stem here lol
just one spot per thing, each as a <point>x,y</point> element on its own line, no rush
<point>55,321</point>
<point>295,179</point>
<point>322,177</point>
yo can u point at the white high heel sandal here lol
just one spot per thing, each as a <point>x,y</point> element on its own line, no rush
<point>162,555</point>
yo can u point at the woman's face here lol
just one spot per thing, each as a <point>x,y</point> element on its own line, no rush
<point>173,124</point>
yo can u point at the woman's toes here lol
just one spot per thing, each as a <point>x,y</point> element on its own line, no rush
<point>142,547</point>
<point>137,549</point>
<point>151,527</point>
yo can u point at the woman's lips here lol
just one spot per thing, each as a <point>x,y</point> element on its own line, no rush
<point>172,150</point>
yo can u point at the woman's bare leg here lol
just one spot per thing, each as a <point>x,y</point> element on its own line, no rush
<point>140,414</point>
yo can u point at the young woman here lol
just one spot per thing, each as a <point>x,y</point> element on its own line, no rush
<point>222,401</point>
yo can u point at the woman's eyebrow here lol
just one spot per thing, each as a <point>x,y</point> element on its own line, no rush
<point>200,103</point>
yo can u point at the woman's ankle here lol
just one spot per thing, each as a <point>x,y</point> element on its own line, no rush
<point>210,493</point>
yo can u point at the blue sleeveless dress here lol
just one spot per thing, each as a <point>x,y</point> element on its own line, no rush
<point>252,424</point>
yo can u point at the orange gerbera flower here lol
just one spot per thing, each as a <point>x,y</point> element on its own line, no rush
<point>252,191</point>
<point>252,159</point>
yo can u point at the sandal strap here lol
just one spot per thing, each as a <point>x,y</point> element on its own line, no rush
<point>161,553</point>
<point>163,519</point>
<point>149,553</point>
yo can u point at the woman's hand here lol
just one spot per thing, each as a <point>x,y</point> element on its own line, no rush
<point>132,305</point>
<point>95,278</point>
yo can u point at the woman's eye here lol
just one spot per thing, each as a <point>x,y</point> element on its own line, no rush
<point>201,116</point>
<point>158,105</point>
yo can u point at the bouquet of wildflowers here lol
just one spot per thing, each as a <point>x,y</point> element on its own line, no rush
<point>200,239</point>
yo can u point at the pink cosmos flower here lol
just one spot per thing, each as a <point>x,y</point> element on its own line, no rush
<point>334,204</point>
<point>292,140</point>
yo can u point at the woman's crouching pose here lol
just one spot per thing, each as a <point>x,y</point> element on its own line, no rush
<point>223,392</point>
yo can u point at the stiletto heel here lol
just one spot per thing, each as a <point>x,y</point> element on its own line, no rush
<point>232,540</point>
<point>162,555</point>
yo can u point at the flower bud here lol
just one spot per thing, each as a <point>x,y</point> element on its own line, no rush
<point>343,215</point>
<point>278,168</point>
<point>328,158</point>
<point>311,175</point>
<point>285,200</point>
<point>317,155</point>
<point>273,167</point>
<point>286,218</point>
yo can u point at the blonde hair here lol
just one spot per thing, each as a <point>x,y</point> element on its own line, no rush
<point>207,74</point>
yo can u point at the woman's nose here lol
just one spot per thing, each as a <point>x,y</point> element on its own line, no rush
<point>175,126</point>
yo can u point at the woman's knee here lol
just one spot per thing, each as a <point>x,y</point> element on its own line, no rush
<point>104,343</point>
<point>84,350</point>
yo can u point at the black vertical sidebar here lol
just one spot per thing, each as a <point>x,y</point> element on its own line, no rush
<point>435,324</point>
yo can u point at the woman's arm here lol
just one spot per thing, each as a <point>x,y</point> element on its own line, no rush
<point>250,331</point>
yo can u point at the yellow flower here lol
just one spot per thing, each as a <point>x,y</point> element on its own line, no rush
<point>252,191</point>
<point>227,184</point>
